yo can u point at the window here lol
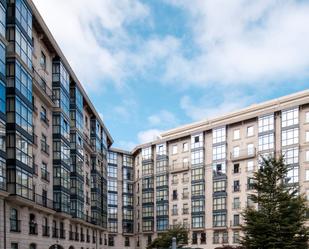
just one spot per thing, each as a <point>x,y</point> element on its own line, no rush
<point>112,199</point>
<point>197,141</point>
<point>147,225</point>
<point>216,238</point>
<point>236,134</point>
<point>2,52</point>
<point>250,149</point>
<point>2,174</point>
<point>236,186</point>
<point>147,197</point>
<point>289,117</point>
<point>2,136</point>
<point>250,166</point>
<point>236,203</point>
<point>219,186</point>
<point>236,220</point>
<point>307,117</point>
<point>219,169</point>
<point>236,237</point>
<point>198,206</point>
<point>23,115</point>
<point>111,240</point>
<point>162,224</point>
<point>307,156</point>
<point>203,238</point>
<point>219,203</point>
<point>219,220</point>
<point>43,60</point>
<point>161,149</point>
<point>23,150</point>
<point>290,155</point>
<point>23,47</point>
<point>112,171</point>
<point>14,222</point>
<point>112,157</point>
<point>307,136</point>
<point>185,147</point>
<point>292,175</point>
<point>307,174</point>
<point>250,131</point>
<point>112,185</point>
<point>14,245</point>
<point>2,97</point>
<point>219,135</point>
<point>2,20</point>
<point>197,174</point>
<point>266,123</point>
<point>236,168</point>
<point>266,142</point>
<point>236,151</point>
<point>197,157</point>
<point>146,153</point>
<point>194,238</point>
<point>127,161</point>
<point>198,189</point>
<point>126,241</point>
<point>197,221</point>
<point>162,181</point>
<point>290,137</point>
<point>147,169</point>
<point>24,16</point>
<point>175,195</point>
<point>162,209</point>
<point>218,152</point>
<point>174,149</point>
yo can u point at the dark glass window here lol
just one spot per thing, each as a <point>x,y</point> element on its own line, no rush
<point>23,115</point>
<point>2,174</point>
<point>2,53</point>
<point>2,20</point>
<point>2,136</point>
<point>24,16</point>
<point>24,183</point>
<point>23,47</point>
<point>23,81</point>
<point>2,97</point>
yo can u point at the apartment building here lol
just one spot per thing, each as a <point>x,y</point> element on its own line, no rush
<point>53,144</point>
<point>200,175</point>
<point>63,186</point>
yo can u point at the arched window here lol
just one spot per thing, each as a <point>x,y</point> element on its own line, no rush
<point>14,222</point>
<point>32,246</point>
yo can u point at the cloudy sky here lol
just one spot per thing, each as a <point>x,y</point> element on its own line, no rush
<point>151,65</point>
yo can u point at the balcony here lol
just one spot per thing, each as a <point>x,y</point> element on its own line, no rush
<point>178,167</point>
<point>15,225</point>
<point>43,201</point>
<point>45,231</point>
<point>33,228</point>
<point>40,85</point>
<point>44,147</point>
<point>243,154</point>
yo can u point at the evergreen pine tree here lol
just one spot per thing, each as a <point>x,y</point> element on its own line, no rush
<point>278,221</point>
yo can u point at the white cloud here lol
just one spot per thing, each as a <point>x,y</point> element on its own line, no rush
<point>205,109</point>
<point>163,118</point>
<point>148,135</point>
<point>93,36</point>
<point>126,145</point>
<point>243,42</point>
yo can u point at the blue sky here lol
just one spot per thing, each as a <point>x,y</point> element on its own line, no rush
<point>149,66</point>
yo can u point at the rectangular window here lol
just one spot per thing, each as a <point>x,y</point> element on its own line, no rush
<point>23,47</point>
<point>197,174</point>
<point>307,174</point>
<point>2,97</point>
<point>219,169</point>
<point>219,135</point>
<point>219,220</point>
<point>161,166</point>
<point>236,134</point>
<point>290,137</point>
<point>198,206</point>
<point>43,60</point>
<point>236,220</point>
<point>219,152</point>
<point>307,117</point>
<point>23,115</point>
<point>112,157</point>
<point>147,153</point>
<point>292,175</point>
<point>112,171</point>
<point>250,166</point>
<point>219,186</point>
<point>174,149</point>
<point>266,123</point>
<point>219,203</point>
<point>307,136</point>
<point>290,155</point>
<point>198,221</point>
<point>161,149</point>
<point>250,149</point>
<point>307,156</point>
<point>289,117</point>
<point>196,141</point>
<point>250,131</point>
<point>266,142</point>
<point>24,16</point>
<point>185,147</point>
<point>236,203</point>
<point>197,157</point>
<point>236,151</point>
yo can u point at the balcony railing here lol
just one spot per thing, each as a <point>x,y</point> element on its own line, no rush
<point>43,201</point>
<point>33,228</point>
<point>243,154</point>
<point>45,231</point>
<point>41,84</point>
<point>179,167</point>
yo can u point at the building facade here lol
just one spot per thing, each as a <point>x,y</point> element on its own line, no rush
<point>63,186</point>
